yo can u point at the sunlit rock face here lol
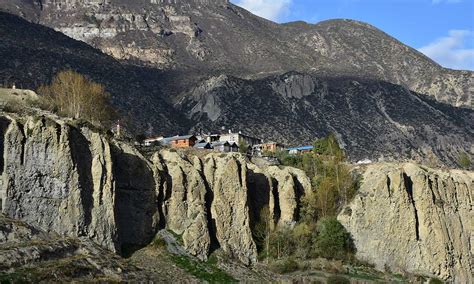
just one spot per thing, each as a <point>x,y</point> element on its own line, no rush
<point>75,182</point>
<point>415,219</point>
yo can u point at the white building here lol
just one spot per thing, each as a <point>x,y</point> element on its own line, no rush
<point>151,141</point>
<point>239,138</point>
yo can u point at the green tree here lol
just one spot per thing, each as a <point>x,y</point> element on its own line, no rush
<point>464,161</point>
<point>263,230</point>
<point>328,146</point>
<point>333,241</point>
<point>243,147</point>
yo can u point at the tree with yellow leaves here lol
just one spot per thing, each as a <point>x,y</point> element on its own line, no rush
<point>73,95</point>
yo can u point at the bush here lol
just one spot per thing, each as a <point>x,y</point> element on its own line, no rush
<point>333,241</point>
<point>158,242</point>
<point>285,266</point>
<point>435,281</point>
<point>464,161</point>
<point>338,280</point>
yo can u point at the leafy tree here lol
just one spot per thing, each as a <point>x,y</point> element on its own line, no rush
<point>72,94</point>
<point>243,147</point>
<point>333,241</point>
<point>328,146</point>
<point>263,230</point>
<point>464,161</point>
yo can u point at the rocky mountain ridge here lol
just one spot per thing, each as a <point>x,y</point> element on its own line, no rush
<point>206,38</point>
<point>372,119</point>
<point>297,108</point>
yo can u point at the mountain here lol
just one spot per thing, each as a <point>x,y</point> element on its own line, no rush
<point>207,37</point>
<point>32,54</point>
<point>372,119</point>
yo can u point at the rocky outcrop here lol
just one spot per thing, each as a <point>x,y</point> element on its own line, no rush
<point>60,179</point>
<point>184,201</point>
<point>75,182</point>
<point>408,218</point>
<point>290,186</point>
<point>31,255</point>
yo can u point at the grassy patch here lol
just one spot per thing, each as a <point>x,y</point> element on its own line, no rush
<point>14,277</point>
<point>178,237</point>
<point>363,276</point>
<point>285,266</point>
<point>201,270</point>
<point>158,243</point>
<point>338,280</point>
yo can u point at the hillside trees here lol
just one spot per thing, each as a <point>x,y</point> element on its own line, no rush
<point>72,94</point>
<point>317,233</point>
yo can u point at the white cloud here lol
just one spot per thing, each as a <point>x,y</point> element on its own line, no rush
<point>268,9</point>
<point>451,51</point>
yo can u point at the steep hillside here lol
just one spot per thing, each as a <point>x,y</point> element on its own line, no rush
<point>209,37</point>
<point>371,119</point>
<point>32,54</point>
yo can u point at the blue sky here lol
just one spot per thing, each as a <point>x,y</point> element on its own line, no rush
<point>442,29</point>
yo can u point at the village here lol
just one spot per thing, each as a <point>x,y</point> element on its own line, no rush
<point>226,143</point>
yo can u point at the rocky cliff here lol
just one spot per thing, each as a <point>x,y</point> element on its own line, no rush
<point>415,219</point>
<point>77,183</point>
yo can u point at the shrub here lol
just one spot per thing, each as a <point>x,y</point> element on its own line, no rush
<point>287,265</point>
<point>333,241</point>
<point>435,281</point>
<point>338,280</point>
<point>464,161</point>
<point>159,243</point>
<point>243,147</point>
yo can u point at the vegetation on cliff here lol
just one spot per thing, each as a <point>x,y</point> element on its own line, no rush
<point>317,233</point>
<point>73,95</point>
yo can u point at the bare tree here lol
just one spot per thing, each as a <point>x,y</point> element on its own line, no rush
<point>72,94</point>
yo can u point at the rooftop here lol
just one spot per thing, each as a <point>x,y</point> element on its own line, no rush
<point>301,148</point>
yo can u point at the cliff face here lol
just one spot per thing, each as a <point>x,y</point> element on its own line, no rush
<point>408,218</point>
<point>75,182</point>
